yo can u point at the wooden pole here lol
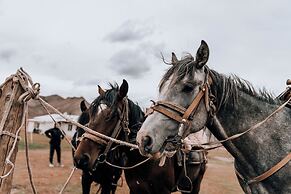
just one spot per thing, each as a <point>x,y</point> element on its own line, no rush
<point>11,113</point>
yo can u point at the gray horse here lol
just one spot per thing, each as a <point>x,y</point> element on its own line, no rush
<point>232,107</point>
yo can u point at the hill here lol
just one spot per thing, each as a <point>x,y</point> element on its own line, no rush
<point>70,105</point>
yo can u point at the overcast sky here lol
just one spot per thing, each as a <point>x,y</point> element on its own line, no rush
<point>70,46</point>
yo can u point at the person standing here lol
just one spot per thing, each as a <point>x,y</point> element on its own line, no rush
<point>55,136</point>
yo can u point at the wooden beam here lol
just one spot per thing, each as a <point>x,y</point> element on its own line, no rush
<point>11,112</point>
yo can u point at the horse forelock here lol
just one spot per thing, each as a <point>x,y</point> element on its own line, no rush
<point>109,99</point>
<point>178,71</point>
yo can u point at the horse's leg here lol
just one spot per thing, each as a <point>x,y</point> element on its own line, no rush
<point>86,183</point>
<point>113,189</point>
<point>116,177</point>
<point>105,188</point>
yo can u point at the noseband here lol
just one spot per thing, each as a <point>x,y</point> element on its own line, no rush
<point>122,123</point>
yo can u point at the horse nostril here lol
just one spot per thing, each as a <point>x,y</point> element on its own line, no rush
<point>83,162</point>
<point>147,143</point>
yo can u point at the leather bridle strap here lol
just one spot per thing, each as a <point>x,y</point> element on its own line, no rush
<point>123,116</point>
<point>195,103</point>
<point>271,171</point>
<point>164,107</point>
<point>172,106</point>
<point>168,113</point>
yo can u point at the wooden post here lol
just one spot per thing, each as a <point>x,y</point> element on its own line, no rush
<point>11,112</point>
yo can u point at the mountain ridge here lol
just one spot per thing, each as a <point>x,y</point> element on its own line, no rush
<point>70,105</point>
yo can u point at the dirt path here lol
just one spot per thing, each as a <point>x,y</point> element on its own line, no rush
<point>219,177</point>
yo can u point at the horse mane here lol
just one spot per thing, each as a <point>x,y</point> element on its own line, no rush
<point>226,86</point>
<point>136,116</point>
<point>135,113</point>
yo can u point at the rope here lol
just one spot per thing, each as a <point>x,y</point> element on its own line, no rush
<point>240,134</point>
<point>127,167</point>
<point>32,92</point>
<point>27,152</point>
<point>7,160</point>
<point>68,180</point>
<point>10,134</point>
<point>64,134</point>
<point>124,143</point>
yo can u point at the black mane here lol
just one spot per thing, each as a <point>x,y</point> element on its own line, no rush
<point>136,115</point>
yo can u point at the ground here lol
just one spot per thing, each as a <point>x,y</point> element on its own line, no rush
<point>219,177</point>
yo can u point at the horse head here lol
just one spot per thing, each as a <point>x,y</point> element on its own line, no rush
<point>106,114</point>
<point>180,87</point>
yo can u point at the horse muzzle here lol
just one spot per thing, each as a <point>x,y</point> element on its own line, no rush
<point>82,162</point>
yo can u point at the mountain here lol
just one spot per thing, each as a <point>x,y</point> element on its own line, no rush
<point>70,105</point>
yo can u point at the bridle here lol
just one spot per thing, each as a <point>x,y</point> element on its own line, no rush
<point>184,116</point>
<point>122,124</point>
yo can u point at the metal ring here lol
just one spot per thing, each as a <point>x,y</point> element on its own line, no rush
<point>101,159</point>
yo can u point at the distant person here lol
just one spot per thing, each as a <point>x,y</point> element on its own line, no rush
<point>55,136</point>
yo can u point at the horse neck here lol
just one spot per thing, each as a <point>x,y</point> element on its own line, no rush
<point>251,149</point>
<point>135,116</point>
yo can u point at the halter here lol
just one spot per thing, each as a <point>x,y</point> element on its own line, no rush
<point>182,115</point>
<point>122,123</point>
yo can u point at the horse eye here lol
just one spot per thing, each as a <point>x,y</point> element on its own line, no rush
<point>188,88</point>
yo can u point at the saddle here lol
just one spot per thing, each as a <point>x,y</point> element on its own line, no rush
<point>285,95</point>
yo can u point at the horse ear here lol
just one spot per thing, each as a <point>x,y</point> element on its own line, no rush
<point>174,58</point>
<point>202,54</point>
<point>101,91</point>
<point>83,106</point>
<point>123,89</point>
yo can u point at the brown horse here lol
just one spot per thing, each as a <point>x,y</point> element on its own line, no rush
<point>114,115</point>
<point>104,175</point>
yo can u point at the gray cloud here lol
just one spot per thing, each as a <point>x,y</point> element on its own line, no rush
<point>136,61</point>
<point>7,54</point>
<point>130,62</point>
<point>88,82</point>
<point>129,31</point>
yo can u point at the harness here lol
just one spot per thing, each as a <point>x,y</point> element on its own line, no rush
<point>122,123</point>
<point>184,116</point>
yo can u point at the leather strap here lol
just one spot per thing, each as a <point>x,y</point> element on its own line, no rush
<point>118,126</point>
<point>195,103</point>
<point>271,171</point>
<point>172,106</point>
<point>168,113</point>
